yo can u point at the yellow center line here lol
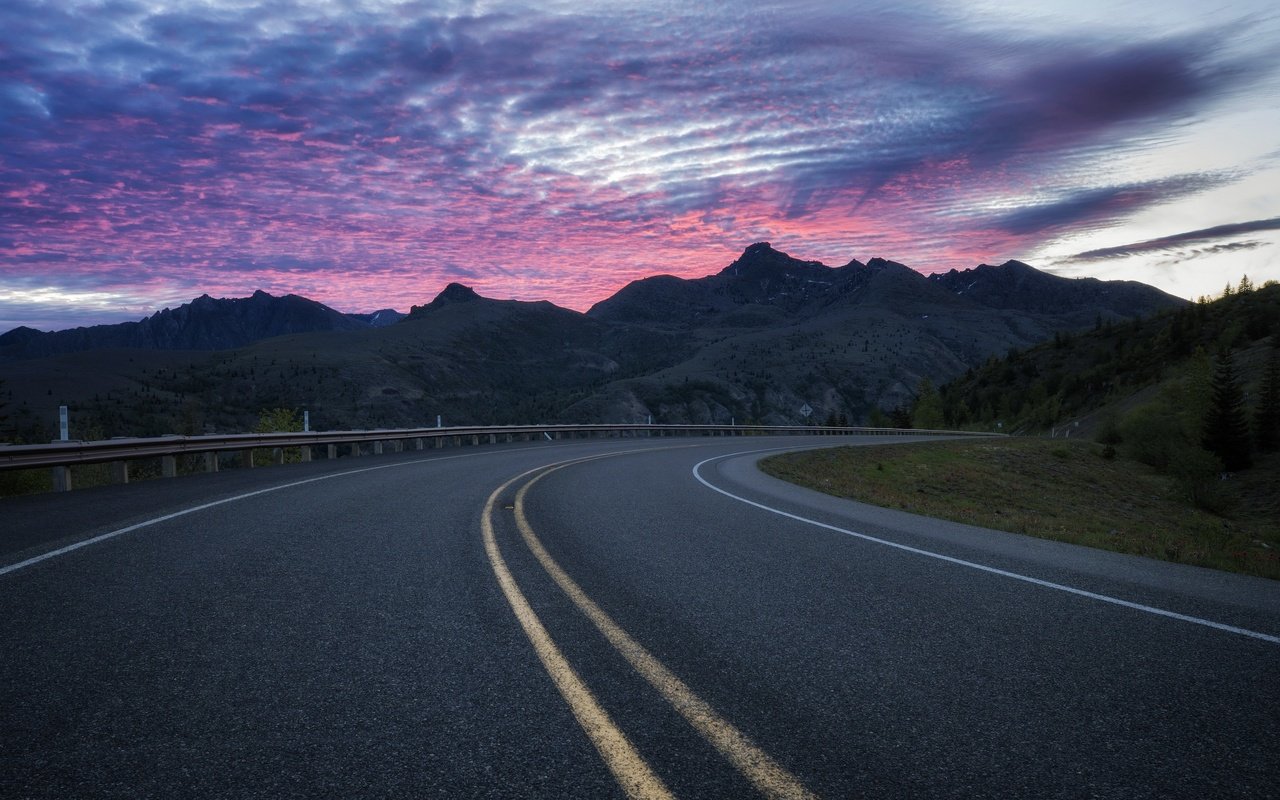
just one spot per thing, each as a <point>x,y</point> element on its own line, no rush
<point>769,777</point>
<point>631,772</point>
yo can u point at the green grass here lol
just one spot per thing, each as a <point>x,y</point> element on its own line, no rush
<point>1055,489</point>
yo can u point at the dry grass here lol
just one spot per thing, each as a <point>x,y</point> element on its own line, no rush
<point>1054,489</point>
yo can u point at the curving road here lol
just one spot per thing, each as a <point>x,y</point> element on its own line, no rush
<point>612,618</point>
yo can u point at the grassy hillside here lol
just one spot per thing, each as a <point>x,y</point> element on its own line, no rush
<point>1170,427</point>
<point>1035,486</point>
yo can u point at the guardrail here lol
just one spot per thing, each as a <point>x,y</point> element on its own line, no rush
<point>61,456</point>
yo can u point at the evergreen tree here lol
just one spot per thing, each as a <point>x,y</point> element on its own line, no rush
<point>1267,417</point>
<point>928,408</point>
<point>900,417</point>
<point>1192,397</point>
<point>1226,427</point>
<point>5,431</point>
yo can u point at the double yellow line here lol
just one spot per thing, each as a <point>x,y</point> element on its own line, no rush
<point>629,768</point>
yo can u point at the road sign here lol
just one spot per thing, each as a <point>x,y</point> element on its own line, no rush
<point>806,410</point>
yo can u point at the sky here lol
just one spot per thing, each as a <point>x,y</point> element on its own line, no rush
<point>364,153</point>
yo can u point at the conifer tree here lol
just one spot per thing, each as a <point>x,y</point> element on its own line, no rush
<point>4,416</point>
<point>1226,427</point>
<point>1267,417</point>
<point>928,408</point>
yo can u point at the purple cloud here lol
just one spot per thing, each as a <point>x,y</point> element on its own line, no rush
<point>1208,236</point>
<point>559,154</point>
<point>1102,205</point>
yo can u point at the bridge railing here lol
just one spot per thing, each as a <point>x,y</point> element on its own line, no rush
<point>60,456</point>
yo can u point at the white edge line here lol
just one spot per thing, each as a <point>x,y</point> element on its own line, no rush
<point>5,570</point>
<point>972,565</point>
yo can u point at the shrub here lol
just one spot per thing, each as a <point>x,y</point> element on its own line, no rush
<point>1109,433</point>
<point>1152,435</point>
<point>1198,472</point>
<point>278,420</point>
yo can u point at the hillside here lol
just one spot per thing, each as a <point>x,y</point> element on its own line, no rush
<point>1016,285</point>
<point>1077,377</point>
<point>1166,440</point>
<point>203,324</point>
<point>755,342</point>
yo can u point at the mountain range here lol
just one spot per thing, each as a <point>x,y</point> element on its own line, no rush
<point>758,341</point>
<point>202,324</point>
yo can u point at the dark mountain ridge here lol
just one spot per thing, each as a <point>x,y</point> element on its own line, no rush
<point>1015,285</point>
<point>205,323</point>
<point>752,289</point>
<point>763,282</point>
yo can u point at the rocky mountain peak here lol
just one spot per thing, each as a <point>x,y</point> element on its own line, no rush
<point>761,262</point>
<point>455,293</point>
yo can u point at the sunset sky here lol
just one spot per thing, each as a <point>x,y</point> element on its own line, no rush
<point>365,153</point>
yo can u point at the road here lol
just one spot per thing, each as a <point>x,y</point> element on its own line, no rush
<point>606,618</point>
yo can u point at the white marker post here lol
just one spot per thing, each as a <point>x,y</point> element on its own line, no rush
<point>306,421</point>
<point>62,474</point>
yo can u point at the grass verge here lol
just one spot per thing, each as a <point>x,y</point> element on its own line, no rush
<point>1054,489</point>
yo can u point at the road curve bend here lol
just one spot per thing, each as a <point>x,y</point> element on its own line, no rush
<point>606,618</point>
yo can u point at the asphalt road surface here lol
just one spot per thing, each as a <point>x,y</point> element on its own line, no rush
<point>606,618</point>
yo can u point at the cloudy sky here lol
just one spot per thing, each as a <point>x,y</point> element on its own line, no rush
<point>366,152</point>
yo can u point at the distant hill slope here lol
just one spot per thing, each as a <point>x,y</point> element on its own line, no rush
<point>381,318</point>
<point>1069,378</point>
<point>1015,285</point>
<point>203,324</point>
